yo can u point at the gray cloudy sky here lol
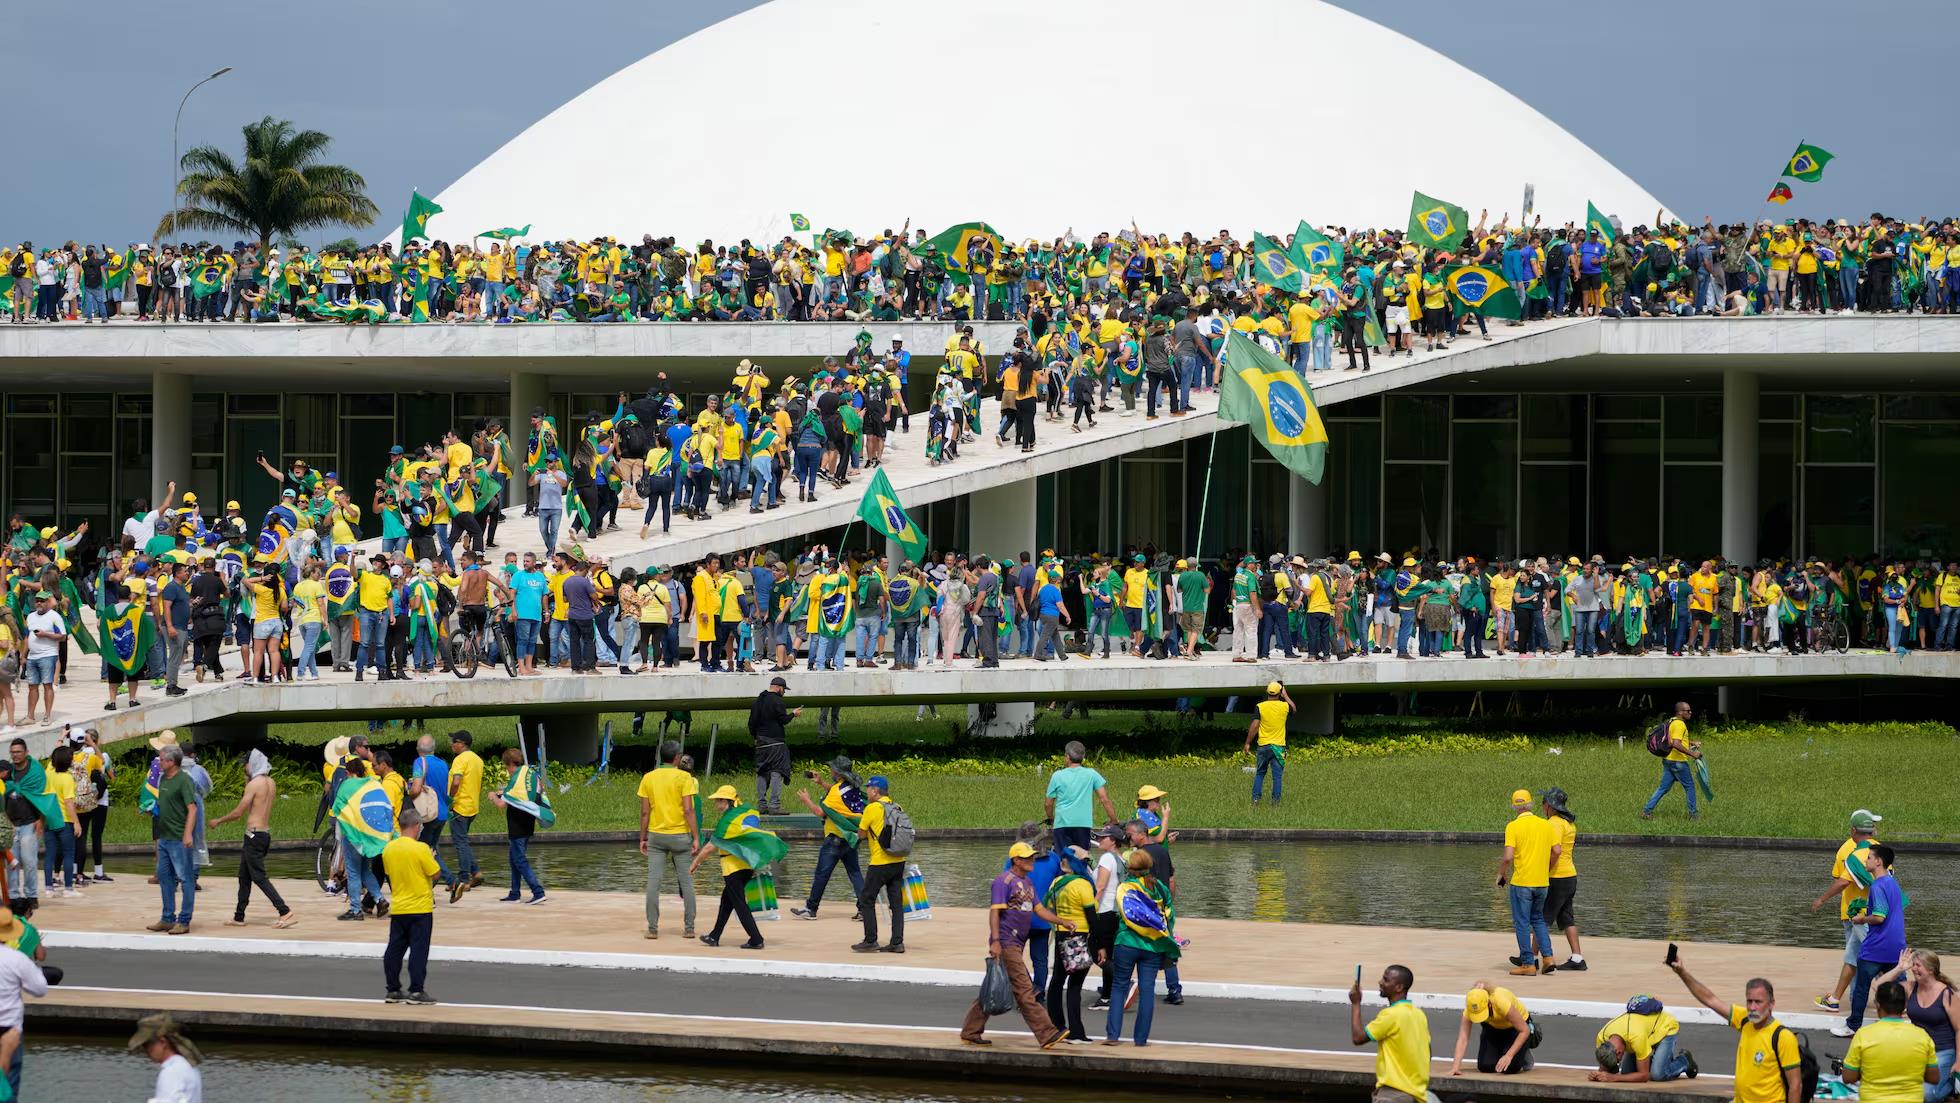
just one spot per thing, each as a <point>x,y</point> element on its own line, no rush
<point>1699,101</point>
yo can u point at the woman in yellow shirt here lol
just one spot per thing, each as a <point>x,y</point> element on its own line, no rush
<point>59,828</point>
<point>1073,900</point>
<point>732,837</point>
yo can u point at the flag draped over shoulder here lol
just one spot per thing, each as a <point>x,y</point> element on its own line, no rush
<point>832,606</point>
<point>34,786</point>
<point>1264,392</point>
<point>1148,916</point>
<point>115,268</point>
<point>126,629</point>
<point>366,817</point>
<point>525,791</point>
<point>739,833</point>
<point>1483,289</point>
<point>953,243</point>
<point>341,593</point>
<point>206,280</point>
<point>416,222</point>
<point>78,630</point>
<point>1598,222</point>
<point>1807,163</point>
<point>907,595</point>
<point>1276,266</point>
<point>880,509</point>
<point>1436,224</point>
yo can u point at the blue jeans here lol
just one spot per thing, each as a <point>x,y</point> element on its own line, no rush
<point>1189,370</point>
<point>808,457</point>
<point>308,659</point>
<point>1144,964</point>
<point>828,653</point>
<point>459,832</point>
<point>1897,632</point>
<point>1024,635</point>
<point>1667,1062</point>
<point>1433,640</point>
<point>548,522</point>
<point>60,856</point>
<point>1302,354</point>
<point>1405,630</point>
<point>93,304</point>
<point>1323,348</point>
<point>526,638</point>
<point>520,867</point>
<point>905,643</point>
<point>561,641</point>
<point>1585,632</point>
<point>1528,921</point>
<point>361,878</point>
<point>374,640</point>
<point>870,632</point>
<point>760,490</point>
<point>176,880</point>
<point>1949,627</point>
<point>1943,1089</point>
<point>1269,758</point>
<point>1861,987</point>
<point>829,855</point>
<point>1039,939</point>
<point>1274,629</point>
<point>1672,773</point>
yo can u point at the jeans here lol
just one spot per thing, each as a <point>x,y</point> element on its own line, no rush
<point>828,653</point>
<point>361,878</point>
<point>1528,921</point>
<point>459,832</point>
<point>176,881</point>
<point>24,882</point>
<point>1585,632</point>
<point>548,522</point>
<point>1473,633</point>
<point>93,304</point>
<point>870,633</point>
<point>808,456</point>
<point>1269,759</point>
<point>1049,638</point>
<point>1949,627</point>
<point>374,641</point>
<point>889,879</point>
<point>1273,629</point>
<point>1405,630</point>
<point>561,640</point>
<point>832,852</point>
<point>59,851</point>
<point>307,660</point>
<point>1861,986</point>
<point>251,871</point>
<point>1320,635</point>
<point>662,851</point>
<point>1039,939</point>
<point>1667,1062</point>
<point>408,936</point>
<point>1166,383</point>
<point>520,867</point>
<point>1944,1088</point>
<point>905,643</point>
<point>1144,965</point>
<point>1671,773</point>
<point>1897,632</point>
<point>524,638</point>
<point>1189,369</point>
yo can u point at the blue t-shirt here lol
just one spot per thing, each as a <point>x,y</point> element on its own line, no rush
<point>677,435</point>
<point>1074,790</point>
<point>434,773</point>
<point>904,360</point>
<point>530,588</point>
<point>579,594</point>
<point>1050,599</point>
<point>1589,257</point>
<point>764,588</point>
<point>1885,941</point>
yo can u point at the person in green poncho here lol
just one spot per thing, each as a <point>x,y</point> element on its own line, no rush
<point>739,838</point>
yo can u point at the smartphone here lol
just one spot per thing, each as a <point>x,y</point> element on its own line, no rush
<point>1673,954</point>
<point>1357,976</point>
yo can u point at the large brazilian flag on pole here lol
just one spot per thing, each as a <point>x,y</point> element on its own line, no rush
<point>881,510</point>
<point>1262,391</point>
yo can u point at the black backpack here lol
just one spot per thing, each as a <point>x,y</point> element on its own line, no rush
<point>18,268</point>
<point>1660,259</point>
<point>1806,1062</point>
<point>1657,742</point>
<point>167,275</point>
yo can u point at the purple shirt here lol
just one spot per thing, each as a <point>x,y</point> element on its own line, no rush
<point>1015,896</point>
<point>579,594</point>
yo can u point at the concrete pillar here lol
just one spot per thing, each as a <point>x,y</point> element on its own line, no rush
<point>570,737</point>
<point>1001,521</point>
<point>170,438</point>
<point>1741,458</point>
<point>1316,713</point>
<point>1306,519</point>
<point>1738,702</point>
<point>528,391</point>
<point>895,553</point>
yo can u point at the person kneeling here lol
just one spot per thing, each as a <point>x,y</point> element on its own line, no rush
<point>1508,1034</point>
<point>1641,1046</point>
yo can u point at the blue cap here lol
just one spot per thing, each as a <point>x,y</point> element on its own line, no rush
<point>395,451</point>
<point>884,785</point>
<point>139,567</point>
<point>333,474</point>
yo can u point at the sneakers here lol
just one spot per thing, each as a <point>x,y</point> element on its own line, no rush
<point>1101,1003</point>
<point>804,913</point>
<point>457,889</point>
<point>1841,1031</point>
<point>866,947</point>
<point>538,899</point>
<point>1694,1070</point>
<point>1574,964</point>
<point>394,996</point>
<point>892,948</point>
<point>1827,1003</point>
<point>420,997</point>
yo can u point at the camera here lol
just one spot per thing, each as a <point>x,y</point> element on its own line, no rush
<point>810,774</point>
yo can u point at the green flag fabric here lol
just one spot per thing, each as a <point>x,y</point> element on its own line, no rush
<point>952,244</point>
<point>880,509</point>
<point>739,832</point>
<point>1807,163</point>
<point>1316,250</point>
<point>206,280</point>
<point>1275,266</point>
<point>507,232</point>
<point>799,223</point>
<point>115,268</point>
<point>1435,224</point>
<point>1262,391</point>
<point>1483,289</point>
<point>1597,221</point>
<point>416,222</point>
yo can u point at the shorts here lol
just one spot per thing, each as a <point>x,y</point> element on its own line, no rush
<point>1701,616</point>
<point>1193,624</point>
<point>1588,281</point>
<point>267,629</point>
<point>1398,316</point>
<point>40,671</point>
<point>1383,615</point>
<point>1854,941</point>
<point>1558,902</point>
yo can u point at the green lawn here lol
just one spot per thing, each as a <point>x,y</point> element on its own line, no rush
<point>1790,779</point>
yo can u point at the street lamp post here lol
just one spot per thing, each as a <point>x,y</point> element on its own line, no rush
<point>176,166</point>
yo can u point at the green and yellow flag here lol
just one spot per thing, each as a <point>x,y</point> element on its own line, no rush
<point>1316,250</point>
<point>416,222</point>
<point>1807,163</point>
<point>799,223</point>
<point>1483,289</point>
<point>115,268</point>
<point>881,510</point>
<point>1264,392</point>
<point>953,243</point>
<point>1275,266</point>
<point>507,233</point>
<point>1600,223</point>
<point>1435,224</point>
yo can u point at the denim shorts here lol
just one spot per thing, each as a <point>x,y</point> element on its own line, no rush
<point>40,672</point>
<point>1854,941</point>
<point>267,630</point>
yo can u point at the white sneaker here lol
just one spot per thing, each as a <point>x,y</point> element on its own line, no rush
<point>1841,1031</point>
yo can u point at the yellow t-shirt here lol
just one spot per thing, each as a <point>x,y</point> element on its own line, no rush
<point>1758,1072</point>
<point>1891,1056</point>
<point>1564,835</point>
<point>465,783</point>
<point>1780,251</point>
<point>1703,598</point>
<point>265,603</point>
<point>872,822</point>
<point>1136,581</point>
<point>1677,741</point>
<point>1402,1061</point>
<point>667,791</point>
<point>62,787</point>
<point>559,610</point>
<point>1502,1001</point>
<point>656,604</point>
<point>1530,840</point>
<point>1272,723</point>
<point>834,800</point>
<point>344,520</point>
<point>375,589</point>
<point>396,788</point>
<point>460,458</point>
<point>1074,901</point>
<point>306,608</point>
<point>1501,589</point>
<point>1318,599</point>
<point>411,867</point>
<point>1844,850</point>
<point>1639,1031</point>
<point>1299,323</point>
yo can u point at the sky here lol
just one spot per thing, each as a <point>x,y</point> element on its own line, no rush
<point>1696,100</point>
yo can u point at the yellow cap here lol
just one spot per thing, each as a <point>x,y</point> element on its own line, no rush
<point>1476,1005</point>
<point>1408,562</point>
<point>231,505</point>
<point>1018,850</point>
<point>189,497</point>
<point>1353,555</point>
<point>47,532</point>
<point>1272,689</point>
<point>1520,797</point>
<point>1150,792</point>
<point>726,792</point>
<point>1572,561</point>
<point>1181,564</point>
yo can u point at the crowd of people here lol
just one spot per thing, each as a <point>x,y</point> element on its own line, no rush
<point>1876,264</point>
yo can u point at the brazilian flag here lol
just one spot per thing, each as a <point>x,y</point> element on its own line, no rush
<point>1260,390</point>
<point>127,633</point>
<point>909,596</point>
<point>952,244</point>
<point>207,280</point>
<point>832,605</point>
<point>1807,163</point>
<point>115,270</point>
<point>1276,266</point>
<point>507,233</point>
<point>881,510</point>
<point>527,791</point>
<point>1435,224</point>
<point>341,593</point>
<point>1316,250</point>
<point>1484,290</point>
<point>416,222</point>
<point>739,833</point>
<point>799,223</point>
<point>366,816</point>
<point>1599,223</point>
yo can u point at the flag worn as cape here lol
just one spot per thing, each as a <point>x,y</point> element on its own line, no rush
<point>832,605</point>
<point>739,833</point>
<point>1148,916</point>
<point>34,786</point>
<point>526,791</point>
<point>366,816</point>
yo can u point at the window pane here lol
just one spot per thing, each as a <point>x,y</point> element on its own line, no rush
<point>207,424</point>
<point>368,405</point>
<point>1227,469</point>
<point>1692,523</point>
<point>1555,427</point>
<point>309,424</point>
<point>1367,406</point>
<point>1776,491</point>
<point>1418,427</point>
<point>1838,429</point>
<point>84,487</point>
<point>1837,511</point>
<point>1922,407</point>
<point>1152,504</point>
<point>253,403</point>
<point>471,408</point>
<point>1482,407</point>
<point>30,467</point>
<point>1626,495</point>
<point>1777,407</point>
<point>1271,482</point>
<point>1484,509</point>
<point>424,418</point>
<point>133,461</point>
<point>1922,514</point>
<point>1078,511</point>
<point>30,404</point>
<point>1354,487</point>
<point>1412,517</point>
<point>1552,509</point>
<point>1694,427</point>
<point>86,425</point>
<point>1627,406</point>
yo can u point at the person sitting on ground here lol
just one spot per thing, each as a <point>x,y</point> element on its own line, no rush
<point>1641,1045</point>
<point>1508,1033</point>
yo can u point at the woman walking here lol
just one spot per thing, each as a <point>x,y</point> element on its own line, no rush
<point>1144,945</point>
<point>745,849</point>
<point>1072,898</point>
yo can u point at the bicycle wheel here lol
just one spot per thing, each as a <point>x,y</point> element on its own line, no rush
<point>1836,637</point>
<point>462,649</point>
<point>506,646</point>
<point>326,862</point>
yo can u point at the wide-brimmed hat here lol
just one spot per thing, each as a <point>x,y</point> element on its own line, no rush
<point>336,748</point>
<point>151,1028</point>
<point>164,738</point>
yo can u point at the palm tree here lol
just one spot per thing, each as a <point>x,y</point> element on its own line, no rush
<point>281,187</point>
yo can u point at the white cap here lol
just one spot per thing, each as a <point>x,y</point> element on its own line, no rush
<point>144,248</point>
<point>898,339</point>
<point>1398,264</point>
<point>395,571</point>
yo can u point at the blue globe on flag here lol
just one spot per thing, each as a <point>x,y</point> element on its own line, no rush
<point>1472,287</point>
<point>833,608</point>
<point>895,517</point>
<point>1437,223</point>
<point>377,812</point>
<point>1287,408</point>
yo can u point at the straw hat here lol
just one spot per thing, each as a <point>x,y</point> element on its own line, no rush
<point>165,738</point>
<point>336,749</point>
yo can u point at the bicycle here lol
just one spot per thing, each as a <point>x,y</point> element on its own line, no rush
<point>467,649</point>
<point>326,862</point>
<point>1831,632</point>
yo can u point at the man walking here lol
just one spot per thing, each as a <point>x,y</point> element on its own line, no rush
<point>411,870</point>
<point>768,719</point>
<point>669,834</point>
<point>1527,864</point>
<point>465,791</point>
<point>1849,879</point>
<point>255,805</point>
<point>176,806</point>
<point>1069,805</point>
<point>1885,937</point>
<point>1677,766</point>
<point>430,774</point>
<point>843,805</point>
<point>1010,915</point>
<point>887,872</point>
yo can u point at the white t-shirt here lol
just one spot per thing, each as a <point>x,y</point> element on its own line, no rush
<point>49,621</point>
<point>142,528</point>
<point>1114,864</point>
<point>18,974</point>
<point>178,1081</point>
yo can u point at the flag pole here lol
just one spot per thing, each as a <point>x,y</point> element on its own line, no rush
<point>1204,503</point>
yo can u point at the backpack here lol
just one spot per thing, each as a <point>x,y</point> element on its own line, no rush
<point>167,275</point>
<point>1657,742</point>
<point>1806,1062</point>
<point>86,794</point>
<point>1660,259</point>
<point>898,835</point>
<point>875,592</point>
<point>18,268</point>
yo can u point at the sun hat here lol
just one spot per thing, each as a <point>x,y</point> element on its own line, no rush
<point>165,738</point>
<point>1150,792</point>
<point>336,749</point>
<point>161,1027</point>
<point>726,792</point>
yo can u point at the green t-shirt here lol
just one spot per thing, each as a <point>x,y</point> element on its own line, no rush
<point>1245,586</point>
<point>175,796</point>
<point>1191,591</point>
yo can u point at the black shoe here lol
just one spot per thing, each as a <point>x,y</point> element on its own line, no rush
<point>1694,1070</point>
<point>866,947</point>
<point>1174,1001</point>
<point>175,691</point>
<point>752,944</point>
<point>892,948</point>
<point>1101,1003</point>
<point>1576,965</point>
<point>394,996</point>
<point>710,940</point>
<point>420,997</point>
<point>1524,961</point>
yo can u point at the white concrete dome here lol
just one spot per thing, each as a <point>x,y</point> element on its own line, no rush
<point>838,110</point>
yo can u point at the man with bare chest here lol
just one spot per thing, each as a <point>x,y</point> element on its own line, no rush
<point>255,808</point>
